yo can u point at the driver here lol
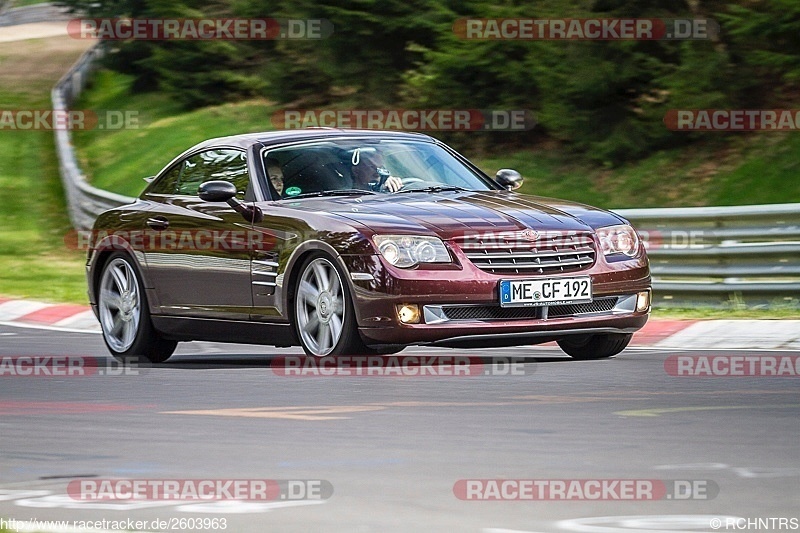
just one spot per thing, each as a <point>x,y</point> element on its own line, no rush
<point>370,174</point>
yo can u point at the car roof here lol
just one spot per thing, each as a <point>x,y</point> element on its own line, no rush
<point>307,134</point>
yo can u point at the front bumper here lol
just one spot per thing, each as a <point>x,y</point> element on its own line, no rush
<point>378,288</point>
<point>486,334</point>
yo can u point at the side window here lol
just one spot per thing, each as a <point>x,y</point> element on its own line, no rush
<point>169,182</point>
<point>225,165</point>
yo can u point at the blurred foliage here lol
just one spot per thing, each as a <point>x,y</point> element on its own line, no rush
<point>602,101</point>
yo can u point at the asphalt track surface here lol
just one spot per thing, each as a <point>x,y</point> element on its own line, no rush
<point>393,449</point>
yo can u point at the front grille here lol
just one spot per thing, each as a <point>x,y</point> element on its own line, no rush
<point>491,312</point>
<point>495,312</point>
<point>550,252</point>
<point>600,305</point>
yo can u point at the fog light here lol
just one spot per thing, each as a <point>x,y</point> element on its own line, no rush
<point>642,301</point>
<point>408,313</point>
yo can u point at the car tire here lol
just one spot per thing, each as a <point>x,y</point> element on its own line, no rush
<point>595,346</point>
<point>323,313</point>
<point>125,316</point>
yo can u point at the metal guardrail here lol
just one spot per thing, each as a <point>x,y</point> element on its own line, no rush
<point>708,255</point>
<point>84,202</point>
<point>45,12</point>
<point>741,254</point>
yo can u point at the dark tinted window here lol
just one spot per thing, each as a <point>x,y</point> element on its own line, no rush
<point>225,165</point>
<point>361,164</point>
<point>169,182</point>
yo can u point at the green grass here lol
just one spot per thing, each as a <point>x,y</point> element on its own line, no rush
<point>726,313</point>
<point>749,169</point>
<point>23,3</point>
<point>34,261</point>
<point>118,160</point>
<point>752,169</point>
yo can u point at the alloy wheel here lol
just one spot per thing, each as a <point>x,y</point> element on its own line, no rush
<point>320,306</point>
<point>120,304</point>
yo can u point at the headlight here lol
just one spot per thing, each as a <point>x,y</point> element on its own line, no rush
<point>408,250</point>
<point>618,240</point>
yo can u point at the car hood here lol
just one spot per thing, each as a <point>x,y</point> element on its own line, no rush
<point>453,214</point>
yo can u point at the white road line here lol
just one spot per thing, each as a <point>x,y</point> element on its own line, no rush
<point>500,530</point>
<point>48,328</point>
<point>16,308</point>
<point>241,507</point>
<point>645,523</point>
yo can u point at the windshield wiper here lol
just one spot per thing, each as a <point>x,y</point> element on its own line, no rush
<point>332,192</point>
<point>435,188</point>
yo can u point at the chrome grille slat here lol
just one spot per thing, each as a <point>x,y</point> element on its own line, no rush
<point>551,252</point>
<point>534,264</point>
<point>511,253</point>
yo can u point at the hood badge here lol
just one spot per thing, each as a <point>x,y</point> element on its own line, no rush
<point>529,234</point>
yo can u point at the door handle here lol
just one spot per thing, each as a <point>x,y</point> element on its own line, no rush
<point>158,223</point>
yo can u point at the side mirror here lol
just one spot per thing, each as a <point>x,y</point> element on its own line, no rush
<point>508,179</point>
<point>216,191</point>
<point>224,191</point>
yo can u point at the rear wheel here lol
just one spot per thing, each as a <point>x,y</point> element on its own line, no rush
<point>324,316</point>
<point>595,346</point>
<point>124,315</point>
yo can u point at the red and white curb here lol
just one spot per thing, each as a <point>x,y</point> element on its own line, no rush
<point>658,333</point>
<point>62,317</point>
<point>734,334</point>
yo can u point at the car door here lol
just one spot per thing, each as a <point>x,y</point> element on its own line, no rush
<point>197,253</point>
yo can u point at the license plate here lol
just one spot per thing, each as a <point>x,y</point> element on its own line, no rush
<point>537,292</point>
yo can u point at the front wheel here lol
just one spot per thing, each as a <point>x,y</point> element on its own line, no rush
<point>324,316</point>
<point>124,315</point>
<point>595,346</point>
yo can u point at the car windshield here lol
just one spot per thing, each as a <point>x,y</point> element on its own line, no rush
<point>367,166</point>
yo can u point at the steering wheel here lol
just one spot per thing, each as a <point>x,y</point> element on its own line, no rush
<point>409,180</point>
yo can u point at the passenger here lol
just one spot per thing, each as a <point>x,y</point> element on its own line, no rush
<point>275,174</point>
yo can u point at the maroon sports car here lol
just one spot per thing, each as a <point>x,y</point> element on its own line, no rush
<point>354,242</point>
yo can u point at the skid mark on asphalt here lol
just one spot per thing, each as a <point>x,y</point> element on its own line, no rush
<point>332,412</point>
<point>325,412</point>
<point>659,412</point>
<point>24,408</point>
<point>47,499</point>
<point>336,412</point>
<point>621,394</point>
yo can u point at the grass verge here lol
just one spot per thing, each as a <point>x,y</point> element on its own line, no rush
<point>34,261</point>
<point>712,313</point>
<point>118,160</point>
